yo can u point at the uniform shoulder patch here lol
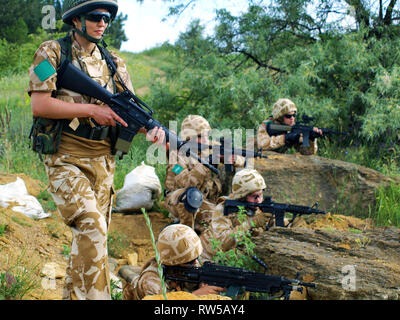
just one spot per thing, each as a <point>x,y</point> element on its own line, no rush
<point>44,70</point>
<point>177,169</point>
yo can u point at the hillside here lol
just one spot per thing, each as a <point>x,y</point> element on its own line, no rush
<point>28,245</point>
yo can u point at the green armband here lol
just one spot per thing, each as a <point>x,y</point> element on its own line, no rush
<point>44,70</point>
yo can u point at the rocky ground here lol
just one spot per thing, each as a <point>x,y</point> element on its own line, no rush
<point>37,246</point>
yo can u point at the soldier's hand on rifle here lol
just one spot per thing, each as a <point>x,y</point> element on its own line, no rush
<point>206,289</point>
<point>316,133</point>
<point>155,135</point>
<point>105,116</point>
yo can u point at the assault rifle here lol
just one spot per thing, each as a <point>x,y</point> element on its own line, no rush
<point>225,149</point>
<point>301,127</point>
<point>128,106</point>
<point>235,279</point>
<point>278,209</point>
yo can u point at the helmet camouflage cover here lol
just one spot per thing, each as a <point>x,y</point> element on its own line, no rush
<point>282,107</point>
<point>193,126</point>
<point>245,182</point>
<point>74,8</point>
<point>178,243</point>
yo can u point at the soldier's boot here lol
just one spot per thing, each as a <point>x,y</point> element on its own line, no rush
<point>128,273</point>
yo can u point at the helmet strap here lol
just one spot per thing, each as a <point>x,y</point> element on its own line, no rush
<point>83,32</point>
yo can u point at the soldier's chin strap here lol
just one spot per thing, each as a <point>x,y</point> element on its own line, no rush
<point>84,34</point>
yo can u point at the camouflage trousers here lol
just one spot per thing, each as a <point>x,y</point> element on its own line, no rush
<point>82,189</point>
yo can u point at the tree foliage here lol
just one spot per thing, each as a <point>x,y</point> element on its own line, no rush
<point>337,60</point>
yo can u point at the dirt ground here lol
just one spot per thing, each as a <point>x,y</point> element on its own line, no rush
<point>30,245</point>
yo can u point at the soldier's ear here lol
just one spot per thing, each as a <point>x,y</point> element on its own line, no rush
<point>75,22</point>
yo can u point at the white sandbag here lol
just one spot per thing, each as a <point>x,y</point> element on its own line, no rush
<point>141,188</point>
<point>16,196</point>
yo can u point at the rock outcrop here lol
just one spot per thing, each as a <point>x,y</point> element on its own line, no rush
<point>344,256</point>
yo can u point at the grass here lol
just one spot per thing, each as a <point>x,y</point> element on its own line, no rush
<point>388,206</point>
<point>117,242</point>
<point>18,279</point>
<point>3,229</point>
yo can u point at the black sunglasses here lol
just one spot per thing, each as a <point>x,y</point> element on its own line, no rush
<point>290,116</point>
<point>97,16</point>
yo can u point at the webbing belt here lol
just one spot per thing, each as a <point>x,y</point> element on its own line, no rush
<point>87,132</point>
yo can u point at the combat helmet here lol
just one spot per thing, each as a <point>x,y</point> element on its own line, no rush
<point>76,8</point>
<point>245,182</point>
<point>193,126</point>
<point>178,243</point>
<point>282,107</point>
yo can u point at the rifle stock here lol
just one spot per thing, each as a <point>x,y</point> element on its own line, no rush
<point>128,106</point>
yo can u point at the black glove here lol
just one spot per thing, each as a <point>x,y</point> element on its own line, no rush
<point>292,138</point>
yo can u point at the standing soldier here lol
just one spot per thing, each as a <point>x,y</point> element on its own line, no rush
<point>78,158</point>
<point>284,112</point>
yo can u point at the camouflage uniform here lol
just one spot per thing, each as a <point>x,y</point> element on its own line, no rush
<point>184,172</point>
<point>81,173</point>
<point>177,244</point>
<point>277,143</point>
<point>222,228</point>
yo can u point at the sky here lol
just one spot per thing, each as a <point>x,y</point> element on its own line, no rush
<point>145,29</point>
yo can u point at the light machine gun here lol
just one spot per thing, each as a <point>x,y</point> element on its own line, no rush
<point>235,279</point>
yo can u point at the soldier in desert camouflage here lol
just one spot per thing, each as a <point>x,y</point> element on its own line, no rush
<point>284,112</point>
<point>184,172</point>
<point>247,185</point>
<point>81,171</point>
<point>177,245</point>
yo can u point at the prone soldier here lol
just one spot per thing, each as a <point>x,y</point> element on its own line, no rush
<point>247,185</point>
<point>178,245</point>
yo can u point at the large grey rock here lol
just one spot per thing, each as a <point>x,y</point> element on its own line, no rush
<point>338,186</point>
<point>343,264</point>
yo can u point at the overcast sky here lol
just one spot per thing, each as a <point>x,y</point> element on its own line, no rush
<point>145,29</point>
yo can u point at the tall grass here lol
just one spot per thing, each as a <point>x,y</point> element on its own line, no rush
<point>388,206</point>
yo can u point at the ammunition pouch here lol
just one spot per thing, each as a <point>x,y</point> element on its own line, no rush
<point>46,135</point>
<point>88,132</point>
